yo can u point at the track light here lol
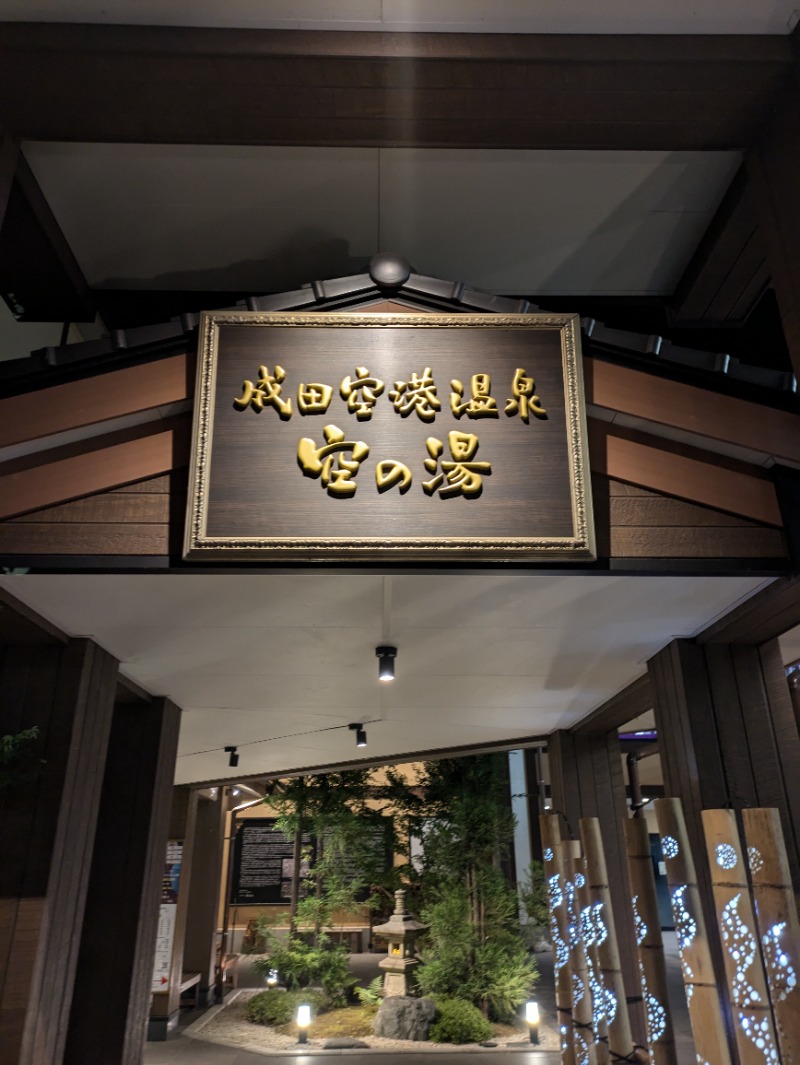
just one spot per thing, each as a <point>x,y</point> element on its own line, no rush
<point>361,734</point>
<point>386,656</point>
<point>233,759</point>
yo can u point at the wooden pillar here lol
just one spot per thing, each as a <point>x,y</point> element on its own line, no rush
<point>9,156</point>
<point>533,758</point>
<point>115,966</point>
<point>47,829</point>
<point>728,735</point>
<point>587,781</point>
<point>199,951</point>
<point>773,173</point>
<point>794,693</point>
<point>165,1005</point>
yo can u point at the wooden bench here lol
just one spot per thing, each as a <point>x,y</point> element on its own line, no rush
<point>190,990</point>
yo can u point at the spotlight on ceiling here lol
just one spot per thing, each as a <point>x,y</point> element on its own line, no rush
<point>386,656</point>
<point>361,734</point>
<point>233,759</point>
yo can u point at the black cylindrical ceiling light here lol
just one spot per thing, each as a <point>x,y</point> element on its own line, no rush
<point>233,756</point>
<point>386,656</point>
<point>361,734</point>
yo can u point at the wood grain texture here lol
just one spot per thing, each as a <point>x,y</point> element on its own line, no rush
<point>99,464</point>
<point>501,90</point>
<point>46,835</point>
<point>76,404</point>
<point>123,892</point>
<point>696,410</point>
<point>686,473</point>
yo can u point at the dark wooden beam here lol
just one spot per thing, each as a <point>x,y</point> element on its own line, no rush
<point>9,156</point>
<point>227,86</point>
<point>40,279</point>
<point>765,616</point>
<point>621,708</point>
<point>728,273</point>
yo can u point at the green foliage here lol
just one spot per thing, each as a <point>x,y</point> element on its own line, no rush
<point>372,995</point>
<point>458,1021</point>
<point>17,757</point>
<point>533,895</point>
<point>274,1007</point>
<point>301,965</point>
<point>474,948</point>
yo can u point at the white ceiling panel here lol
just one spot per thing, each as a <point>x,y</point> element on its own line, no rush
<point>268,219</point>
<point>280,665</point>
<point>461,16</point>
<point>551,222</point>
<point>206,217</point>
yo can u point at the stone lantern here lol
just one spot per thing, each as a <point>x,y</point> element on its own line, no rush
<point>400,930</point>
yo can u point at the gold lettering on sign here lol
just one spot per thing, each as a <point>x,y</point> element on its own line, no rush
<point>319,461</point>
<point>362,393</point>
<point>481,405</point>
<point>265,393</point>
<point>418,394</point>
<point>314,398</point>
<point>523,400</point>
<point>390,472</point>
<point>460,476</point>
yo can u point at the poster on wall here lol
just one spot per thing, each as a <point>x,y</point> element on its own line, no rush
<point>389,436</point>
<point>263,863</point>
<point>165,937</point>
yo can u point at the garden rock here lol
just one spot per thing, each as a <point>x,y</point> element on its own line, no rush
<point>344,1043</point>
<point>404,1018</point>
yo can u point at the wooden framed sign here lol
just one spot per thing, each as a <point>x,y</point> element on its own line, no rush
<point>389,436</point>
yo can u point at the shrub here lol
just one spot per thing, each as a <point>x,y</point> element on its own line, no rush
<point>458,1021</point>
<point>301,965</point>
<point>274,1007</point>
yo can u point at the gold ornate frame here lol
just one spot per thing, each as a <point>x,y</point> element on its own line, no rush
<point>578,547</point>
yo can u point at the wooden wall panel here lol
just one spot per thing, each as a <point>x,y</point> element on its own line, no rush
<point>146,518</point>
<point>47,830</point>
<point>123,894</point>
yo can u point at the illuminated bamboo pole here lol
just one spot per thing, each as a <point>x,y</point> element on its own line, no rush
<point>591,929</point>
<point>650,947</point>
<point>550,827</point>
<point>582,1013</point>
<point>753,1026</point>
<point>776,919</point>
<point>620,1039</point>
<point>702,996</point>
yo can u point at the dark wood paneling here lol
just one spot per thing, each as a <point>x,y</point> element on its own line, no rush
<point>728,272</point>
<point>138,508</point>
<point>123,894</point>
<point>684,472</point>
<point>199,954</point>
<point>626,705</point>
<point>46,835</point>
<point>98,398</point>
<point>98,539</point>
<point>189,85</point>
<point>768,614</point>
<point>772,169</point>
<point>697,543</point>
<point>53,477</point>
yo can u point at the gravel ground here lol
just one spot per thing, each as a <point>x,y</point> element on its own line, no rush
<point>228,1025</point>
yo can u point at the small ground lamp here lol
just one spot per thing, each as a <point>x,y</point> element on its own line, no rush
<point>303,1021</point>
<point>532,1020</point>
<point>272,978</point>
